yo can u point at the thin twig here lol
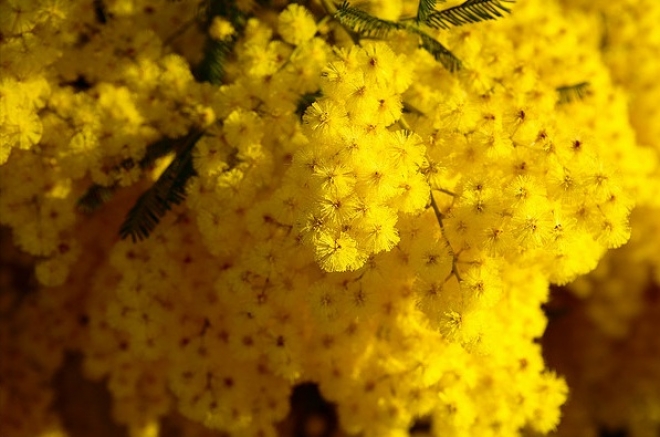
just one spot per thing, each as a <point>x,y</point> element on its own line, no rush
<point>454,259</point>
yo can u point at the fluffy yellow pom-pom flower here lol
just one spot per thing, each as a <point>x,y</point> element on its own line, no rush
<point>296,25</point>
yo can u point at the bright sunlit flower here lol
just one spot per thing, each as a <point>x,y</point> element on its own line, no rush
<point>215,208</point>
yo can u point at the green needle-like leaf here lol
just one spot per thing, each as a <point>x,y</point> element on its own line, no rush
<point>439,52</point>
<point>211,69</point>
<point>472,11</point>
<point>95,197</point>
<point>571,93</point>
<point>425,8</point>
<point>167,191</point>
<point>305,100</point>
<point>216,53</point>
<point>170,188</point>
<point>369,26</point>
<point>363,23</point>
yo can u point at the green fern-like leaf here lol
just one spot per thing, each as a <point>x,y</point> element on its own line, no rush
<point>95,197</point>
<point>369,26</point>
<point>167,191</point>
<point>157,150</point>
<point>305,100</point>
<point>208,9</point>
<point>211,69</point>
<point>471,11</point>
<point>425,8</point>
<point>571,93</point>
<point>363,23</point>
<point>439,52</point>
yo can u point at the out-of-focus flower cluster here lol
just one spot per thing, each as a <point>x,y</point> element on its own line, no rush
<point>612,360</point>
<point>361,218</point>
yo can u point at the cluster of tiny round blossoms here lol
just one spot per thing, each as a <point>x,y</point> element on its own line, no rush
<point>360,217</point>
<point>357,174</point>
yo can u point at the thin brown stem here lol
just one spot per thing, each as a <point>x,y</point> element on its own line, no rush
<point>454,258</point>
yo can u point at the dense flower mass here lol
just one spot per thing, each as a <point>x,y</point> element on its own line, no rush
<point>209,203</point>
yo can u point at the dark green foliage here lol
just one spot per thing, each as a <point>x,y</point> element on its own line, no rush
<point>167,191</point>
<point>79,84</point>
<point>369,26</point>
<point>571,93</point>
<point>425,8</point>
<point>439,52</point>
<point>605,34</point>
<point>170,188</point>
<point>95,197</point>
<point>471,11</point>
<point>211,69</point>
<point>409,109</point>
<point>157,150</point>
<point>363,23</point>
<point>100,12</point>
<point>223,8</point>
<point>306,100</point>
<point>216,53</point>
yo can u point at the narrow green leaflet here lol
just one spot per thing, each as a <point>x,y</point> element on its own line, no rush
<point>425,8</point>
<point>156,150</point>
<point>368,26</point>
<point>167,191</point>
<point>95,197</point>
<point>472,11</point>
<point>363,23</point>
<point>211,69</point>
<point>439,52</point>
<point>571,93</point>
<point>170,188</point>
<point>306,100</point>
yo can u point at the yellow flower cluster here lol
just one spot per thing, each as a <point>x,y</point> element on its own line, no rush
<point>356,174</point>
<point>618,306</point>
<point>360,218</point>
